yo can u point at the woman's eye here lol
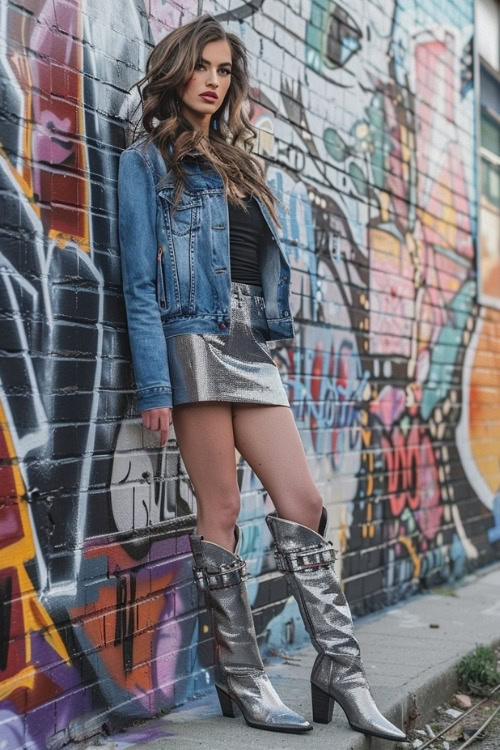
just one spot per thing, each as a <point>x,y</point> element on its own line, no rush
<point>222,70</point>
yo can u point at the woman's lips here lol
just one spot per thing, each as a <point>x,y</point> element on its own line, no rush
<point>208,97</point>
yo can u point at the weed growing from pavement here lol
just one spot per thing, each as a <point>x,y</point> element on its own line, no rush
<point>478,671</point>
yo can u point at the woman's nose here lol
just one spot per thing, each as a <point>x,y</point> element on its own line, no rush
<point>212,78</point>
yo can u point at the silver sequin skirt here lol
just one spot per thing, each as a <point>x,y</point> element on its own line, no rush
<point>235,367</point>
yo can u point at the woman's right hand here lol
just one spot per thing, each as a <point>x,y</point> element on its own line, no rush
<point>158,419</point>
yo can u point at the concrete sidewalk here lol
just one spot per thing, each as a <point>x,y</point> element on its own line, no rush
<point>409,653</point>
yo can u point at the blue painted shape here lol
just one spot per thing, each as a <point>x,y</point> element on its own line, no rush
<point>458,557</point>
<point>494,533</point>
<point>445,351</point>
<point>283,625</point>
<point>93,577</point>
<point>300,217</point>
<point>255,540</point>
<point>423,14</point>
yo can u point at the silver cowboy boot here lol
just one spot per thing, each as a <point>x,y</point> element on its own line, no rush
<point>239,671</point>
<point>306,559</point>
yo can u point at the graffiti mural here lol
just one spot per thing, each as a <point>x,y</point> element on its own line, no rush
<point>392,376</point>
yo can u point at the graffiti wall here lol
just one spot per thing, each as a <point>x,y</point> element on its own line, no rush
<point>366,119</point>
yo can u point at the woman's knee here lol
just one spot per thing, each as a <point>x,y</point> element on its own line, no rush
<point>308,498</point>
<point>312,503</point>
<point>303,506</point>
<point>222,507</point>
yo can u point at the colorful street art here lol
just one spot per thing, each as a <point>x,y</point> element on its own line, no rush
<point>367,134</point>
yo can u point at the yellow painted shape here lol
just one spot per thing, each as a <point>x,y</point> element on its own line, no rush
<point>35,616</point>
<point>415,558</point>
<point>384,245</point>
<point>23,679</point>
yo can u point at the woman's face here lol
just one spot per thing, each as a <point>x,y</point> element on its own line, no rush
<point>204,93</point>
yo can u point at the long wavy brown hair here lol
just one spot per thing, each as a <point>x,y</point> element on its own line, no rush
<point>171,63</point>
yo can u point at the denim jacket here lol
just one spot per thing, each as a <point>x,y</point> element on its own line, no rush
<point>176,269</point>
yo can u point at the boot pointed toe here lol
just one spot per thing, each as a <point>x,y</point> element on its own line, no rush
<point>289,720</point>
<point>261,705</point>
<point>382,728</point>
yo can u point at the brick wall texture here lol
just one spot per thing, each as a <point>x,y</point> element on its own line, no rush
<point>367,132</point>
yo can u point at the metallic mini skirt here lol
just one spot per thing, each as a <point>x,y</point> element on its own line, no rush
<point>234,367</point>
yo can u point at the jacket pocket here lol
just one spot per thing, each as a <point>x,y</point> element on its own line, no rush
<point>186,217</point>
<point>161,292</point>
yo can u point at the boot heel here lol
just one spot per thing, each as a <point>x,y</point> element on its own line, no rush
<point>322,705</point>
<point>226,703</point>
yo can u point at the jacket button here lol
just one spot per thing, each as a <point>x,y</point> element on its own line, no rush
<point>285,314</point>
<point>222,325</point>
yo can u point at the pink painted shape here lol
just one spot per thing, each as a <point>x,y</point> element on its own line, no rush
<point>430,513</point>
<point>389,405</point>
<point>166,16</point>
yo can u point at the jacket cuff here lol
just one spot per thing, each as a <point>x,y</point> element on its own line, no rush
<point>156,397</point>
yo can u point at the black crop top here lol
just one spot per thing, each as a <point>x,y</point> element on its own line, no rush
<point>246,235</point>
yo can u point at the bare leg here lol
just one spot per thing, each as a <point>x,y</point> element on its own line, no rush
<point>268,439</point>
<point>204,433</point>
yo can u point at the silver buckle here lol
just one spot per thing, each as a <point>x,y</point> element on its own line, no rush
<point>228,575</point>
<point>305,559</point>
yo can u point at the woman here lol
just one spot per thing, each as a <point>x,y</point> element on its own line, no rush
<point>206,285</point>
